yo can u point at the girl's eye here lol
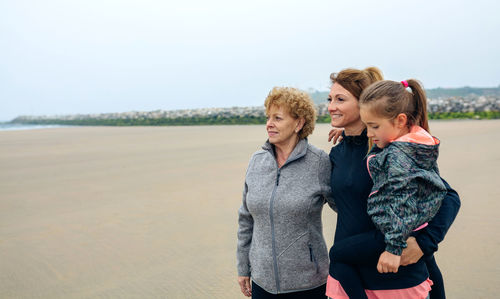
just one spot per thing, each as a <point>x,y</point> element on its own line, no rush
<point>375,127</point>
<point>340,99</point>
<point>329,99</point>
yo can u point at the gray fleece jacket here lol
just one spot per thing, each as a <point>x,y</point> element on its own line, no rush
<point>280,236</point>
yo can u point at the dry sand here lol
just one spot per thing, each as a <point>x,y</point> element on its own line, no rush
<point>151,212</point>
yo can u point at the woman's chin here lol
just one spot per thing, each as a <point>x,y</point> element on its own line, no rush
<point>336,123</point>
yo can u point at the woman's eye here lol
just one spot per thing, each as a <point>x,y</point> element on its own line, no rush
<point>329,99</point>
<point>340,99</point>
<point>375,127</point>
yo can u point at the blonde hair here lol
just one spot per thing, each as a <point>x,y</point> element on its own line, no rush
<point>298,103</point>
<point>390,98</point>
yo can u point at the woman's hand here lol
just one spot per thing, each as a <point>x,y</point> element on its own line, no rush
<point>412,253</point>
<point>388,262</point>
<point>244,282</point>
<point>335,134</point>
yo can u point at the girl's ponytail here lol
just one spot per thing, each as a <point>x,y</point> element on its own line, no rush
<point>420,102</point>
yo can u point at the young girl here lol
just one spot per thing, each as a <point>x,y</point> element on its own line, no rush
<point>407,189</point>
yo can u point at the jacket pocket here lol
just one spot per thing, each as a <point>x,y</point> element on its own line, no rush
<point>313,258</point>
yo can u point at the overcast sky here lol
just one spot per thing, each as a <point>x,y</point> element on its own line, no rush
<point>66,57</point>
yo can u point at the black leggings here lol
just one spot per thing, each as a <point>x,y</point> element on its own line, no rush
<point>437,291</point>
<point>316,293</point>
<point>345,255</point>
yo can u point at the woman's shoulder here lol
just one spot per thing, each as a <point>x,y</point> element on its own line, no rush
<point>319,156</point>
<point>338,150</point>
<point>316,151</point>
<point>258,157</point>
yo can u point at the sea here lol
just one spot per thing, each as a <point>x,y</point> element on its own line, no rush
<point>16,127</point>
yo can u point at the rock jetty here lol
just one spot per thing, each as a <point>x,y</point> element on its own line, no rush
<point>469,103</point>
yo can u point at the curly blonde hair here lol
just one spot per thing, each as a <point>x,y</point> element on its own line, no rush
<point>298,103</point>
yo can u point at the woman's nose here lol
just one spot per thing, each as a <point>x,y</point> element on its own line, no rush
<point>332,106</point>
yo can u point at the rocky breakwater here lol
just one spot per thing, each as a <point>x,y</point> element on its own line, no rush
<point>467,104</point>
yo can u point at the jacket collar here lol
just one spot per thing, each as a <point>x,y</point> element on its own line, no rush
<point>357,139</point>
<point>298,152</point>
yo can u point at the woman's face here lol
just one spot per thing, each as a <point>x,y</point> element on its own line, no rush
<point>343,107</point>
<point>281,127</point>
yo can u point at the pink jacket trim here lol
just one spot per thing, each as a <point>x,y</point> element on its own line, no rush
<point>334,290</point>
<point>368,165</point>
<point>421,227</point>
<point>418,135</point>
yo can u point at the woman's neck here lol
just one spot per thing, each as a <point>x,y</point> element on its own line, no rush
<point>283,150</point>
<point>354,129</point>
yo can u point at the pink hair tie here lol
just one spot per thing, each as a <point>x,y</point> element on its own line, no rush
<point>405,83</point>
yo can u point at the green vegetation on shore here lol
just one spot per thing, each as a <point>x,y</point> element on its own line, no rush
<point>187,121</point>
<point>218,120</point>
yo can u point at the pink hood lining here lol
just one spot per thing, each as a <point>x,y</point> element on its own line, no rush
<point>418,135</point>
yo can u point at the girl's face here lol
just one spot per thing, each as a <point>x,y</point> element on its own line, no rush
<point>281,127</point>
<point>383,130</point>
<point>343,108</point>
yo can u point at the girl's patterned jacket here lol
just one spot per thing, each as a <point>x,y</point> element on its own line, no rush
<point>407,189</point>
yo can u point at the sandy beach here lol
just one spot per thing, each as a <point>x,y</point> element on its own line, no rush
<point>151,212</point>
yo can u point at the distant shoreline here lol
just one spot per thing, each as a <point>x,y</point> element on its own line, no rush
<point>216,120</point>
<point>205,121</point>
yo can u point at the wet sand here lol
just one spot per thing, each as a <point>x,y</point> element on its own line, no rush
<point>149,212</point>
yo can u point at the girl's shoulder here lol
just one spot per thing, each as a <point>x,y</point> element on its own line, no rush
<point>390,158</point>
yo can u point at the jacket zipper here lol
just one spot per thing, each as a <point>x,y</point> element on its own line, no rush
<point>275,261</point>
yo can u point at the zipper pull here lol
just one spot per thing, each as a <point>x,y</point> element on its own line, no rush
<point>278,179</point>
<point>310,252</point>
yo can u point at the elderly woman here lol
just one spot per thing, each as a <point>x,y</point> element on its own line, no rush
<point>280,239</point>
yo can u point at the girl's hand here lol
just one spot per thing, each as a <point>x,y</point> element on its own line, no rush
<point>335,134</point>
<point>244,282</point>
<point>388,262</point>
